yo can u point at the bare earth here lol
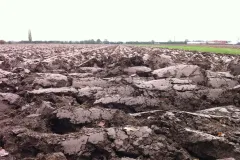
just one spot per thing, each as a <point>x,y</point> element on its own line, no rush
<point>116,102</point>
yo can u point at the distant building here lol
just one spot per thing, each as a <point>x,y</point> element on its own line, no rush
<point>219,42</point>
<point>233,42</point>
<point>214,42</point>
<point>196,42</point>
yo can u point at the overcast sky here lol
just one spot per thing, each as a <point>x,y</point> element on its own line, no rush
<point>124,20</point>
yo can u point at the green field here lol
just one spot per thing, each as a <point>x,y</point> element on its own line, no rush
<point>199,48</point>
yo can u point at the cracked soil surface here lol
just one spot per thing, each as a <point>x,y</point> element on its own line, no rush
<point>116,102</point>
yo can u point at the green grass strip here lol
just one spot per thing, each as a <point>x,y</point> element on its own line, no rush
<point>200,48</point>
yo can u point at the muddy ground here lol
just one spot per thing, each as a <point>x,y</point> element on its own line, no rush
<point>109,102</point>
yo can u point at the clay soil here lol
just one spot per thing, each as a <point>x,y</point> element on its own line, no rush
<point>116,102</point>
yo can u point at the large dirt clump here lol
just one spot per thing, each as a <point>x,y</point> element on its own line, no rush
<point>116,102</point>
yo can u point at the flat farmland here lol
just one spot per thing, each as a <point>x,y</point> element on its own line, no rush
<point>118,102</point>
<point>224,49</point>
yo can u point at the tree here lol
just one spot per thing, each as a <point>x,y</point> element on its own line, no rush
<point>152,42</point>
<point>29,36</point>
<point>105,41</point>
<point>91,41</point>
<point>99,41</point>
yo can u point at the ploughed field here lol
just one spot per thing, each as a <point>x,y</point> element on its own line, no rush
<point>116,102</point>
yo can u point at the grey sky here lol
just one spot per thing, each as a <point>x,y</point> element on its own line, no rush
<point>123,20</point>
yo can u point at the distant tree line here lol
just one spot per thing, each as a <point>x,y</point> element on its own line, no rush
<point>98,41</point>
<point>101,42</point>
<point>173,42</point>
<point>91,41</point>
<point>140,42</point>
<point>153,42</point>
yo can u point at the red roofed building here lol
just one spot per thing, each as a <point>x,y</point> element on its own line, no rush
<point>217,42</point>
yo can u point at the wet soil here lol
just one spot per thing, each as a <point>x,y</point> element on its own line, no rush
<point>116,102</point>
